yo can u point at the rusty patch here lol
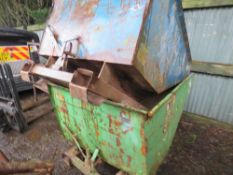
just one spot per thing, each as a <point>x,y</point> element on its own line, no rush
<point>110,124</point>
<point>143,147</point>
<point>77,126</point>
<point>129,159</point>
<point>64,109</point>
<point>118,141</point>
<point>149,69</point>
<point>114,124</point>
<point>107,144</point>
<point>121,151</point>
<point>97,133</point>
<point>59,96</point>
<point>96,127</point>
<point>142,54</point>
<point>84,104</point>
<point>104,143</point>
<point>110,120</point>
<point>65,112</point>
<point>85,10</point>
<point>117,123</point>
<point>142,133</point>
<point>121,154</point>
<point>170,113</point>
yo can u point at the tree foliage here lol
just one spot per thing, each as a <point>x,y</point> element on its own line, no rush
<point>23,12</point>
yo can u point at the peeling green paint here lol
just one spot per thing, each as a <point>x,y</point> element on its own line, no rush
<point>126,138</point>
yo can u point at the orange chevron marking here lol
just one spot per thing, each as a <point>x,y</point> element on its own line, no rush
<point>21,54</point>
<point>14,53</point>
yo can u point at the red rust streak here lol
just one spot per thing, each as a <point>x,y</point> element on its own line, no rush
<point>129,158</point>
<point>63,109</point>
<point>85,11</point>
<point>96,129</point>
<point>97,133</point>
<point>143,147</point>
<point>110,124</point>
<point>118,142</point>
<point>144,150</point>
<point>117,123</point>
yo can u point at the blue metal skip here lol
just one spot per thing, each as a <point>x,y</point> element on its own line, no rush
<point>147,35</point>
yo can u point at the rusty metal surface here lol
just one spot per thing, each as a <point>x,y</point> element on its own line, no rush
<point>126,138</point>
<point>79,84</point>
<point>94,25</point>
<point>120,32</point>
<point>163,55</point>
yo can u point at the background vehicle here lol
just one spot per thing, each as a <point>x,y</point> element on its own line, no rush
<point>16,50</point>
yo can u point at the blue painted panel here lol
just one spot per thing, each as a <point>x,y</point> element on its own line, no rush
<point>107,29</point>
<point>163,56</point>
<point>148,35</point>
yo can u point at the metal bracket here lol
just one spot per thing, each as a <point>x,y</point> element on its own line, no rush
<point>86,167</point>
<point>80,83</point>
<point>105,85</point>
<point>26,70</point>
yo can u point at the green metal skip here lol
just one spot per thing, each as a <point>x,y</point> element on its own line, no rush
<point>133,140</point>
